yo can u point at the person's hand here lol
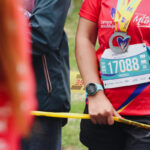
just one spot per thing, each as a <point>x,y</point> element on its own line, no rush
<point>101,110</point>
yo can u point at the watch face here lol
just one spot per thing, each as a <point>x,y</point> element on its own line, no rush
<point>91,89</point>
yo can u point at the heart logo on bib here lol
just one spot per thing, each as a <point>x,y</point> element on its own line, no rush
<point>123,42</point>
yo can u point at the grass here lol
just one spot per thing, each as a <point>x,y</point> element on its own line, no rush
<point>70,133</point>
<point>70,28</point>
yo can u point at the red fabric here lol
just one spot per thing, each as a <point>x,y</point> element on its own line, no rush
<point>9,133</point>
<point>28,5</point>
<point>99,11</point>
<point>9,136</point>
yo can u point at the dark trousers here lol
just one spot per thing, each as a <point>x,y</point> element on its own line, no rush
<point>45,135</point>
<point>116,137</point>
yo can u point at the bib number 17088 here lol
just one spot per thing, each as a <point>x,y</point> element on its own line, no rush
<point>129,64</point>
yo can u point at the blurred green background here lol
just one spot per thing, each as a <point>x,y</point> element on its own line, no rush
<point>70,133</point>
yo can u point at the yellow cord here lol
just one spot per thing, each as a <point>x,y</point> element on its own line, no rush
<point>86,116</point>
<point>61,115</point>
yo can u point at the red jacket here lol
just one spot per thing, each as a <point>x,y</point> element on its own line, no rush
<point>9,133</point>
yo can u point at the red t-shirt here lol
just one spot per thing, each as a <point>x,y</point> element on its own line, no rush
<point>136,99</point>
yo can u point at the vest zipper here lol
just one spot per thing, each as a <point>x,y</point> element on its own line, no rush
<point>46,73</point>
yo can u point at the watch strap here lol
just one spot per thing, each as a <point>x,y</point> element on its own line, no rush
<point>99,87</point>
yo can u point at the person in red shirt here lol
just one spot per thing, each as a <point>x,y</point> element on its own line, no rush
<point>17,85</point>
<point>116,76</point>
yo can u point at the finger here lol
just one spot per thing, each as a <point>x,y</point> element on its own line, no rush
<point>116,114</point>
<point>93,119</point>
<point>110,120</point>
<point>101,120</point>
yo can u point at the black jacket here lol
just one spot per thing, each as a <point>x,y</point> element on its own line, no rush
<point>51,55</point>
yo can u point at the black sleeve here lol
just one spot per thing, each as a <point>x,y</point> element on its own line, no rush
<point>47,24</point>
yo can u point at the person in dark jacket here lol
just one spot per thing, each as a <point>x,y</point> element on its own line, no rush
<point>51,67</point>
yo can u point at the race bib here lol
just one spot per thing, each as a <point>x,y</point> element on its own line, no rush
<point>125,69</point>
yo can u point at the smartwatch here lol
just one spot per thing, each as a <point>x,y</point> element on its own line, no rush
<point>92,89</point>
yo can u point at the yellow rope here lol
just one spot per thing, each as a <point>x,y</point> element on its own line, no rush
<point>60,115</point>
<point>86,116</point>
